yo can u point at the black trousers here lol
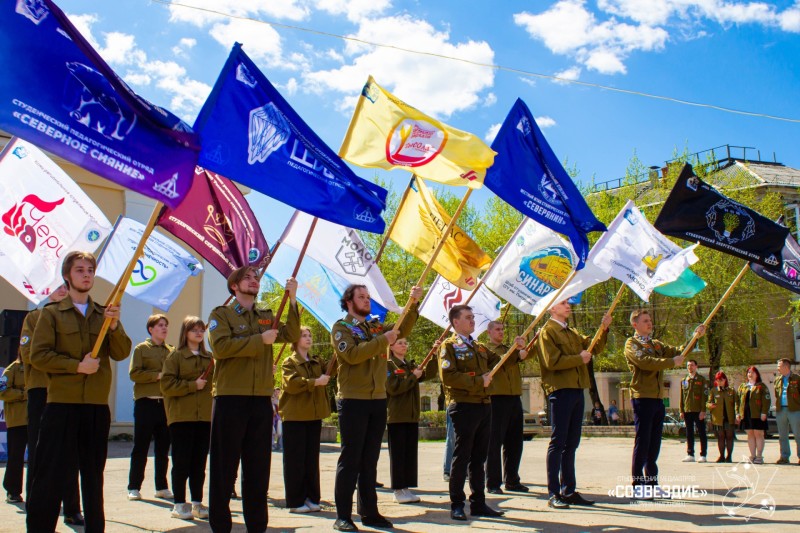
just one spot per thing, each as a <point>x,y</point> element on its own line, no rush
<point>472,424</point>
<point>73,438</point>
<point>648,419</point>
<point>566,419</point>
<point>403,446</point>
<point>17,440</point>
<point>506,433</point>
<point>37,400</point>
<point>693,420</point>
<point>241,429</point>
<point>301,462</point>
<point>190,441</point>
<point>361,424</point>
<point>149,423</point>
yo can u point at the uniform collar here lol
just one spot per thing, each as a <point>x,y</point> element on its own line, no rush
<point>150,344</point>
<point>353,321</point>
<point>562,324</point>
<point>644,339</point>
<point>468,340</point>
<point>239,309</point>
<point>187,353</point>
<point>300,361</point>
<point>492,346</point>
<point>67,303</point>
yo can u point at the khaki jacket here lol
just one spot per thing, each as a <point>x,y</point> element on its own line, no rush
<point>792,393</point>
<point>243,362</point>
<point>182,401</point>
<point>146,364</point>
<point>508,379</point>
<point>301,400</point>
<point>559,357</point>
<point>723,402</point>
<point>647,363</point>
<point>360,349</point>
<point>34,379</point>
<point>462,367</point>
<point>402,388</point>
<point>14,397</point>
<point>693,394</point>
<point>759,400</point>
<point>63,336</point>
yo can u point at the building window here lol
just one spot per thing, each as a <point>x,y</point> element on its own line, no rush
<point>426,403</point>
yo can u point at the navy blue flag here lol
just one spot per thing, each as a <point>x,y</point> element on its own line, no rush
<point>527,175</point>
<point>252,135</point>
<point>57,93</point>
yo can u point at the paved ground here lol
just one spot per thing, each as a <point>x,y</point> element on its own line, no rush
<point>602,465</point>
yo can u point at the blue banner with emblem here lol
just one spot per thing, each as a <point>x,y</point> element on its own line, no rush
<point>57,93</point>
<point>253,136</point>
<point>528,176</point>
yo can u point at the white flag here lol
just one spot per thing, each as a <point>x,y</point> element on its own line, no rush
<point>159,275</point>
<point>45,215</point>
<point>340,250</point>
<point>534,263</point>
<point>443,295</point>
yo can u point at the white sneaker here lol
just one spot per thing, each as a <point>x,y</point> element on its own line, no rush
<point>301,510</point>
<point>400,496</point>
<point>688,459</point>
<point>702,459</point>
<point>414,498</point>
<point>164,494</point>
<point>134,495</point>
<point>199,510</point>
<point>313,506</point>
<point>182,511</point>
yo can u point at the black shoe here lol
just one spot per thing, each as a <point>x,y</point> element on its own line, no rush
<point>376,521</point>
<point>458,514</point>
<point>576,499</point>
<point>13,498</point>
<point>518,487</point>
<point>494,490</point>
<point>720,459</point>
<point>485,510</point>
<point>557,502</point>
<point>729,460</point>
<point>344,525</point>
<point>74,519</point>
<point>378,485</point>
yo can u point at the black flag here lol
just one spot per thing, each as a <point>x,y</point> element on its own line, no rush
<point>788,276</point>
<point>697,212</point>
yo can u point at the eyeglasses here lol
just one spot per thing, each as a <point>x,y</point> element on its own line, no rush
<point>197,330</point>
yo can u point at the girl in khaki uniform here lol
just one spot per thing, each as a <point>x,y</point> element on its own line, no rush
<point>188,402</point>
<point>754,404</point>
<point>723,403</point>
<point>12,392</point>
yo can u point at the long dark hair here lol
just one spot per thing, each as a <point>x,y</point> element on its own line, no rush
<point>758,374</point>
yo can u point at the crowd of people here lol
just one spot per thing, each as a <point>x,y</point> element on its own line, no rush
<point>216,407</point>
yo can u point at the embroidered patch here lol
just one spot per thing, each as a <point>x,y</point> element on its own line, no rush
<point>445,363</point>
<point>264,322</point>
<point>212,325</point>
<point>399,372</point>
<point>337,336</point>
<point>471,374</point>
<point>242,326</point>
<point>24,340</point>
<point>342,346</point>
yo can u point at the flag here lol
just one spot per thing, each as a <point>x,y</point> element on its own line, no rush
<point>216,222</point>
<point>385,132</point>
<point>697,212</point>
<point>788,276</point>
<point>534,263</point>
<point>161,272</point>
<point>341,251</point>
<point>59,94</point>
<point>253,136</point>
<point>319,289</point>
<point>443,295</point>
<point>688,285</point>
<point>44,215</point>
<point>528,176</point>
<point>418,229</point>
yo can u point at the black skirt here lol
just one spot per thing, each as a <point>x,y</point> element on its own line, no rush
<point>748,422</point>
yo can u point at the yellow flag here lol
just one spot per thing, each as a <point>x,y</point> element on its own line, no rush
<point>418,229</point>
<point>388,133</point>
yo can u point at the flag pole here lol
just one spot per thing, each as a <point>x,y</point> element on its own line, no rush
<point>714,311</point>
<point>394,220</point>
<point>600,330</point>
<point>294,272</point>
<point>119,290</point>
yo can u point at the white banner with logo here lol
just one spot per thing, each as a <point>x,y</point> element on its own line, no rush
<point>443,295</point>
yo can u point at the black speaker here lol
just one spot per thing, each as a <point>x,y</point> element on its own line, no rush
<point>11,322</point>
<point>9,348</point>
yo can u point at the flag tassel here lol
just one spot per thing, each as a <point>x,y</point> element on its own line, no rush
<point>611,308</point>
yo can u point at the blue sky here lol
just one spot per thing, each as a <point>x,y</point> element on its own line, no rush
<point>730,53</point>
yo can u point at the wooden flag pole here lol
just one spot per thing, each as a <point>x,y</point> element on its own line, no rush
<point>119,290</point>
<point>714,311</point>
<point>294,272</point>
<point>614,303</point>
<point>533,324</point>
<point>392,223</point>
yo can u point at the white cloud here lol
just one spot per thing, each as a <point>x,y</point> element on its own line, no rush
<point>570,74</point>
<point>528,80</point>
<point>491,133</point>
<point>436,86</point>
<point>275,9</point>
<point>545,122</point>
<point>789,20</point>
<point>605,62</point>
<point>183,46</point>
<point>355,10</point>
<point>490,100</point>
<point>259,41</point>
<point>291,86</point>
<point>83,23</point>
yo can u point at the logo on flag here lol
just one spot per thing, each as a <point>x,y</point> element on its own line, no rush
<point>353,256</point>
<point>91,101</point>
<point>142,275</point>
<point>268,132</point>
<point>244,76</point>
<point>452,298</point>
<point>730,222</point>
<point>34,10</point>
<point>548,191</point>
<point>443,295</point>
<point>545,270</point>
<point>16,225</point>
<point>412,143</point>
<point>651,261</point>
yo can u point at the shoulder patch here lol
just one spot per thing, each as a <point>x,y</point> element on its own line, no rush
<point>342,346</point>
<point>212,325</point>
<point>445,363</point>
<point>24,340</point>
<point>337,336</point>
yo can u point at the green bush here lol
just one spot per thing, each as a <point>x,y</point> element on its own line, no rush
<point>332,420</point>
<point>433,419</point>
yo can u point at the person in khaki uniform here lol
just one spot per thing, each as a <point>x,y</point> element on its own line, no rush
<point>187,399</point>
<point>302,405</point>
<point>402,388</point>
<point>723,404</point>
<point>15,400</point>
<point>360,347</point>
<point>149,417</point>
<point>36,389</point>
<point>694,389</point>
<point>465,364</point>
<point>754,402</point>
<point>74,428</point>
<point>241,338</point>
<point>563,357</point>
<point>506,428</point>
<point>787,409</point>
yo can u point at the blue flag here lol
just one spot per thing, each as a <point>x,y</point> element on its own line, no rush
<point>252,135</point>
<point>58,94</point>
<point>527,175</point>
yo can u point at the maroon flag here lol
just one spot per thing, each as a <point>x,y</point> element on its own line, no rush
<point>216,221</point>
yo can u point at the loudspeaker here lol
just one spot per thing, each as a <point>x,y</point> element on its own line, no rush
<point>9,348</point>
<point>11,322</point>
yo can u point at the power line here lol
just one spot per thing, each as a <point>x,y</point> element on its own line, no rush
<point>492,66</point>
